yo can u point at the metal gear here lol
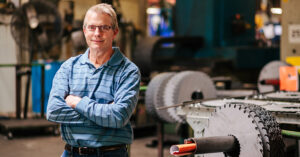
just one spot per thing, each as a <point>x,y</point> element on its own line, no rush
<point>284,96</point>
<point>269,71</point>
<point>185,86</point>
<point>255,129</point>
<point>218,103</point>
<point>272,106</point>
<point>154,96</point>
<point>283,107</point>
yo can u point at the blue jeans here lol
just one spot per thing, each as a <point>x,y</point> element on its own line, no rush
<point>114,153</point>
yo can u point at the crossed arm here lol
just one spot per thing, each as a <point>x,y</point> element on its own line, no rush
<point>73,110</point>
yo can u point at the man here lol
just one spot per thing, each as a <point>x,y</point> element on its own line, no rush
<point>94,94</point>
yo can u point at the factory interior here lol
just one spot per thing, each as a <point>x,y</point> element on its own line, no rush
<point>219,78</point>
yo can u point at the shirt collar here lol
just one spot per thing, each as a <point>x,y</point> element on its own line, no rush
<point>115,59</point>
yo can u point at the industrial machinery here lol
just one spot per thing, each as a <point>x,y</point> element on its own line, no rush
<point>236,126</point>
<point>171,88</point>
<point>253,121</point>
<point>245,125</point>
<point>216,37</point>
<point>36,27</point>
<point>268,80</point>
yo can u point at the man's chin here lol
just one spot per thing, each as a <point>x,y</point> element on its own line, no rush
<point>96,47</point>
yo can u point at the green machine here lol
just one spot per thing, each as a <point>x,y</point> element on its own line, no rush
<point>228,29</point>
<point>219,34</point>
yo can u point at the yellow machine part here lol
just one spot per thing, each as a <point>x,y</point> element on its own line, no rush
<point>293,60</point>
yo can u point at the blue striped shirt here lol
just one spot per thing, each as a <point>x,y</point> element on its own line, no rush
<point>109,96</point>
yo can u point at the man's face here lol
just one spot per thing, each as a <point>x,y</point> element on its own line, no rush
<point>98,32</point>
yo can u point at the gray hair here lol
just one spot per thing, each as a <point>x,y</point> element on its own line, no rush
<point>103,8</point>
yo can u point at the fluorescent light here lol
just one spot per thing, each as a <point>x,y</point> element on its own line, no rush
<point>153,11</point>
<point>276,10</point>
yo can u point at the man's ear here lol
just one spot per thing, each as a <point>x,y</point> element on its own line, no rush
<point>83,29</point>
<point>116,31</point>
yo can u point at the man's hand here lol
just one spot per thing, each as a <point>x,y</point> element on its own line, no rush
<point>72,100</point>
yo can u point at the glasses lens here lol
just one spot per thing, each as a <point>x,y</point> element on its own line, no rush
<point>91,27</point>
<point>106,28</point>
<point>103,28</point>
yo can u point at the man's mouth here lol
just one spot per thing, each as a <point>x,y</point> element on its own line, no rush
<point>98,40</point>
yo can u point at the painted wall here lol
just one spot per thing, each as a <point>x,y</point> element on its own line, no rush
<point>8,55</point>
<point>290,39</point>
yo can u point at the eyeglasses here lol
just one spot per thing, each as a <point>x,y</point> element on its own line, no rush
<point>102,28</point>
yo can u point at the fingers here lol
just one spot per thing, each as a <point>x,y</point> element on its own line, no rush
<point>72,100</point>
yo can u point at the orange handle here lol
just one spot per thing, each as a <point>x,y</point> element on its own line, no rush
<point>183,149</point>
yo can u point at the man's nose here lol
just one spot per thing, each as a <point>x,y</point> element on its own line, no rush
<point>98,31</point>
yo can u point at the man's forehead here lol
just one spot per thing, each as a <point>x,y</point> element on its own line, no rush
<point>97,13</point>
<point>98,18</point>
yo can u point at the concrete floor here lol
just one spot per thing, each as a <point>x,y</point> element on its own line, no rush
<point>52,146</point>
<point>47,145</point>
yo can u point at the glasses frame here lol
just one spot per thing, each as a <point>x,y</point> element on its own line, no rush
<point>101,28</point>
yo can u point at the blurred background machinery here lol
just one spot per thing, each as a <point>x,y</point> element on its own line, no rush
<point>227,127</point>
<point>188,51</point>
<point>254,122</point>
<point>257,122</point>
<point>36,27</point>
<point>216,37</point>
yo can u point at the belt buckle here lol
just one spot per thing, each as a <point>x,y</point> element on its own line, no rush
<point>80,150</point>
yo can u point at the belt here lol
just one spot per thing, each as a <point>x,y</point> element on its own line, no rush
<point>89,150</point>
